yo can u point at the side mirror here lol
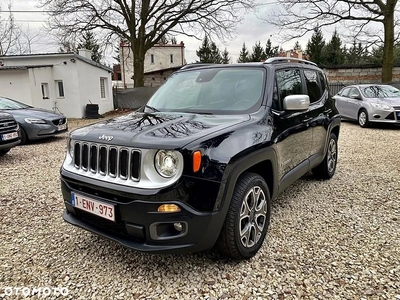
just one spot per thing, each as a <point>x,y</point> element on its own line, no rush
<point>355,96</point>
<point>296,102</point>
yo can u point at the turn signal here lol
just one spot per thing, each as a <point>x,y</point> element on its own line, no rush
<point>168,208</point>
<point>196,161</point>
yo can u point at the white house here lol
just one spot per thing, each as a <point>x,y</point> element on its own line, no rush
<point>159,57</point>
<point>64,82</point>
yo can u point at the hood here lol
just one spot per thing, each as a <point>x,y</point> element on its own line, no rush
<point>156,130</point>
<point>387,101</point>
<point>4,115</point>
<point>35,113</point>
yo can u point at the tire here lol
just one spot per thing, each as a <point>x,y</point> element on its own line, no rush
<point>326,169</point>
<point>363,118</point>
<point>24,136</point>
<point>4,151</point>
<point>245,225</point>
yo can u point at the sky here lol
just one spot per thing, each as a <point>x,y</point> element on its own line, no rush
<point>249,31</point>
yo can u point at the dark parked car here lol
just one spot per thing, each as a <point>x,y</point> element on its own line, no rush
<point>9,133</point>
<point>200,163</point>
<point>369,103</point>
<point>35,123</point>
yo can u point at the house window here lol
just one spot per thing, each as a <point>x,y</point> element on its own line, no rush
<point>103,88</point>
<point>152,58</point>
<point>171,58</point>
<point>45,90</point>
<point>60,88</point>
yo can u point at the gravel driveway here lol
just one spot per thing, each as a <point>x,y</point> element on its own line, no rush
<point>336,239</point>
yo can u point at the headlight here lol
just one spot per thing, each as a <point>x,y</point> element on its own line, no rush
<point>381,106</point>
<point>71,146</point>
<point>34,121</point>
<point>166,163</point>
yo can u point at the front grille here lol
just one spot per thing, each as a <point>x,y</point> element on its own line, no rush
<point>8,125</point>
<point>112,161</point>
<point>102,223</point>
<point>60,121</point>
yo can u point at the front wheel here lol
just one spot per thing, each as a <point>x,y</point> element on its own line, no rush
<point>326,169</point>
<point>247,220</point>
<point>363,118</point>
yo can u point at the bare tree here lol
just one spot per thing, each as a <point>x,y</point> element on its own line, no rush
<point>9,33</point>
<point>301,16</point>
<point>143,23</point>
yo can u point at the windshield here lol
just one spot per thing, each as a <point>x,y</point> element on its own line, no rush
<point>216,91</point>
<point>6,103</point>
<point>380,91</point>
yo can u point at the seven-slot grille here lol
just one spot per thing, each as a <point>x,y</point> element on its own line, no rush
<point>113,161</point>
<point>8,125</point>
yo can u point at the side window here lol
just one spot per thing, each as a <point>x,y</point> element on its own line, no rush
<point>345,92</point>
<point>288,82</point>
<point>322,81</point>
<point>354,93</point>
<point>313,85</point>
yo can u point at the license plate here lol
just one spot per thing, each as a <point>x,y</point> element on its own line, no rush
<point>92,206</point>
<point>9,136</point>
<point>62,127</point>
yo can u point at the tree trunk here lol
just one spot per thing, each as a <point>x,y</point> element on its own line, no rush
<point>387,67</point>
<point>138,66</point>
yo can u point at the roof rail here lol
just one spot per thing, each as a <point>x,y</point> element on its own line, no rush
<point>274,60</point>
<point>196,65</point>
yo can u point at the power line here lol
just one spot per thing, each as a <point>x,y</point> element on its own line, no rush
<point>26,11</point>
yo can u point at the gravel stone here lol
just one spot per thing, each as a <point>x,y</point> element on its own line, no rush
<point>335,239</point>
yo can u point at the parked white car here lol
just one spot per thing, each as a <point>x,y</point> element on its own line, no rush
<point>368,103</point>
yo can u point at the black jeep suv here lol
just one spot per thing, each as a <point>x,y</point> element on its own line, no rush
<point>199,164</point>
<point>9,133</point>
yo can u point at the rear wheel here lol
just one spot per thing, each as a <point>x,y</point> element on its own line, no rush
<point>326,169</point>
<point>4,151</point>
<point>247,220</point>
<point>363,118</point>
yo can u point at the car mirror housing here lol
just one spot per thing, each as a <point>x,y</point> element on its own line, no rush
<point>296,102</point>
<point>355,96</point>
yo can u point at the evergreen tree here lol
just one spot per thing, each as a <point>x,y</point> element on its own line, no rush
<point>90,43</point>
<point>204,53</point>
<point>215,54</point>
<point>225,57</point>
<point>258,53</point>
<point>243,55</point>
<point>269,50</point>
<point>333,52</point>
<point>315,46</point>
<point>297,47</point>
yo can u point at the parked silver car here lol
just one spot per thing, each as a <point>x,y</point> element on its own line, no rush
<point>35,123</point>
<point>368,103</point>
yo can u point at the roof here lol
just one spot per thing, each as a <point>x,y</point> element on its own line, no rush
<point>66,54</point>
<point>23,67</point>
<point>163,70</point>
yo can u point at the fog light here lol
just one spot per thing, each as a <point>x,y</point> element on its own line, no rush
<point>178,226</point>
<point>168,208</point>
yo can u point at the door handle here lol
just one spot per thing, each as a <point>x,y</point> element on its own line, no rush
<point>307,120</point>
<point>328,111</point>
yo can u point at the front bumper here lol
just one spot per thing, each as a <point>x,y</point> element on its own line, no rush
<point>39,131</point>
<point>384,116</point>
<point>139,226</point>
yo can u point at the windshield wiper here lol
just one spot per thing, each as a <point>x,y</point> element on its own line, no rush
<point>151,107</point>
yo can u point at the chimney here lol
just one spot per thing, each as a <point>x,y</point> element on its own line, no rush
<point>85,53</point>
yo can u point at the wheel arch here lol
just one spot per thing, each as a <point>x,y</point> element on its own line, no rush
<point>262,162</point>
